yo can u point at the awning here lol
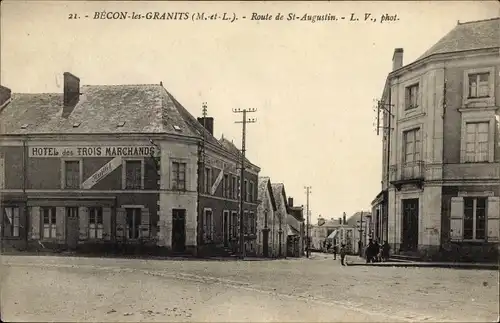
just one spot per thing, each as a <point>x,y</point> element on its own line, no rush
<point>333,234</point>
<point>291,231</point>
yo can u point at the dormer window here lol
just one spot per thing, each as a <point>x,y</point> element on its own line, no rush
<point>24,126</point>
<point>121,124</point>
<point>411,97</point>
<point>479,85</point>
<point>76,124</point>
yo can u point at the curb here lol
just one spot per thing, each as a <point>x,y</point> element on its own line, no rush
<point>431,265</point>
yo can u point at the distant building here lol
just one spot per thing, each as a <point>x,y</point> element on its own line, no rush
<point>440,193</point>
<point>266,219</point>
<point>296,230</point>
<point>280,224</point>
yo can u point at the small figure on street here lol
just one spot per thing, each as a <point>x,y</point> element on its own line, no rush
<point>369,252</point>
<point>342,254</point>
<point>335,252</point>
<point>360,248</point>
<point>385,251</point>
<point>376,250</point>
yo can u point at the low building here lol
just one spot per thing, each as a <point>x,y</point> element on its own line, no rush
<point>109,168</point>
<point>266,218</point>
<point>297,229</point>
<point>280,223</point>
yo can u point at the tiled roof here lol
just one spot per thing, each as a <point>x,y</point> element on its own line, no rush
<point>265,184</point>
<point>279,194</point>
<point>468,36</point>
<point>100,109</point>
<point>352,220</point>
<point>231,147</point>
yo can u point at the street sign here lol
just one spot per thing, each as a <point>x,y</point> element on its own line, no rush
<point>102,172</point>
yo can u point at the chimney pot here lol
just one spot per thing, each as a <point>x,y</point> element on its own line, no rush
<point>290,201</point>
<point>71,92</point>
<point>397,59</point>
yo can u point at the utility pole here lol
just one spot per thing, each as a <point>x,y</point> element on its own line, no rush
<point>242,176</point>
<point>201,169</point>
<point>308,191</point>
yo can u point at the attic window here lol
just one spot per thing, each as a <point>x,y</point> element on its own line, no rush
<point>177,128</point>
<point>121,124</point>
<point>24,126</point>
<point>76,124</point>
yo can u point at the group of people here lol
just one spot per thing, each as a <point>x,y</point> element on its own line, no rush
<point>375,252</point>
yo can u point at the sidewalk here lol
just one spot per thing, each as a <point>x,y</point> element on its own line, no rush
<point>358,261</point>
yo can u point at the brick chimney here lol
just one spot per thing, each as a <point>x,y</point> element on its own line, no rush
<point>5,95</point>
<point>290,201</point>
<point>397,59</point>
<point>208,123</point>
<point>71,93</point>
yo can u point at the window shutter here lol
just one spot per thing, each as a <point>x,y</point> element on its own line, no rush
<point>493,218</point>
<point>60,212</point>
<point>456,218</point>
<point>144,233</point>
<point>35,222</point>
<point>106,222</point>
<point>83,213</point>
<point>120,223</point>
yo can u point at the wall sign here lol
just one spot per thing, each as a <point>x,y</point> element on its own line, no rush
<point>92,151</point>
<point>102,172</point>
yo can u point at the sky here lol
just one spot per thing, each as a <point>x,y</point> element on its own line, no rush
<point>313,84</point>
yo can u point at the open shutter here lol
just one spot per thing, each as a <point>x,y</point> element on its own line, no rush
<point>493,218</point>
<point>456,218</point>
<point>35,222</point>
<point>106,223</point>
<point>120,223</point>
<point>144,223</point>
<point>60,234</point>
<point>83,213</point>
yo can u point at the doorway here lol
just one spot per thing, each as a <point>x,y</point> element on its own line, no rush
<point>72,227</point>
<point>178,230</point>
<point>410,225</point>
<point>226,228</point>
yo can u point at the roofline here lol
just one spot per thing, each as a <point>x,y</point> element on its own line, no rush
<point>139,134</point>
<point>475,21</point>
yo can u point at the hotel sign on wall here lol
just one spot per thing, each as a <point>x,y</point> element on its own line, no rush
<point>92,151</point>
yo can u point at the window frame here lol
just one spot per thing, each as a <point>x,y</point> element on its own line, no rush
<point>408,96</point>
<point>234,224</point>
<point>489,100</point>
<point>476,153</point>
<point>136,226</point>
<point>474,218</point>
<point>15,215</point>
<point>417,139</point>
<point>486,116</point>
<point>175,178</point>
<point>63,172</point>
<point>208,236</point>
<point>124,172</point>
<point>97,226</point>
<point>52,226</point>
<point>207,180</point>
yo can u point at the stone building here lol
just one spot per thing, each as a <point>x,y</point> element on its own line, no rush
<point>266,219</point>
<point>441,157</point>
<point>280,223</point>
<point>109,168</point>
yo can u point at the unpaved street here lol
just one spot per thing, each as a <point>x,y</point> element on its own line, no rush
<point>112,290</point>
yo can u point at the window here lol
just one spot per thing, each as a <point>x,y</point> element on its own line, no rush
<point>476,147</point>
<point>474,218</point>
<point>178,176</point>
<point>133,174</point>
<point>96,226</point>
<point>411,142</point>
<point>234,187</point>
<point>479,86</point>
<point>133,222</point>
<point>10,222</point>
<point>250,191</point>
<point>411,97</point>
<point>49,222</point>
<point>253,223</point>
<point>207,181</point>
<point>235,224</point>
<point>245,222</point>
<point>72,174</point>
<point>245,193</point>
<point>225,186</point>
<point>208,225</point>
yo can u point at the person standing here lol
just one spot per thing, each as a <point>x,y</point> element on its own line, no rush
<point>369,252</point>
<point>334,252</point>
<point>376,251</point>
<point>385,251</point>
<point>343,252</point>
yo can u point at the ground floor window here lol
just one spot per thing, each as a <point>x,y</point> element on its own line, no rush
<point>208,225</point>
<point>474,218</point>
<point>10,222</point>
<point>96,226</point>
<point>235,224</point>
<point>133,222</point>
<point>49,222</point>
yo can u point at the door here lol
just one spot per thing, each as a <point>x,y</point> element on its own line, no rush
<point>226,229</point>
<point>410,225</point>
<point>265,246</point>
<point>178,230</point>
<point>72,227</point>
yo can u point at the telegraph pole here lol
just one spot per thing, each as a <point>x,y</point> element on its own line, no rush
<point>242,176</point>
<point>308,191</point>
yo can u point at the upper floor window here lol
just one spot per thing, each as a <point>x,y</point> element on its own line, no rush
<point>225,186</point>
<point>178,176</point>
<point>474,218</point>
<point>476,146</point>
<point>207,181</point>
<point>72,174</point>
<point>411,145</point>
<point>411,97</point>
<point>133,174</point>
<point>479,85</point>
<point>234,187</point>
<point>10,222</point>
<point>251,192</point>
<point>245,194</point>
